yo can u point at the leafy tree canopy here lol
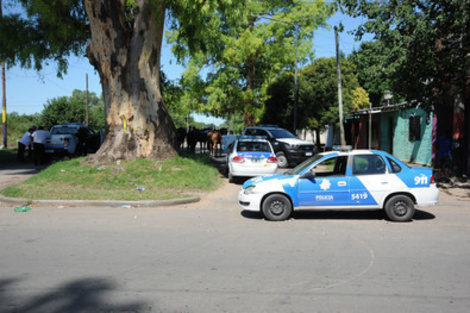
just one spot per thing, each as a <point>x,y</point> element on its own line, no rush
<point>240,53</point>
<point>318,95</point>
<point>420,46</point>
<point>73,110</point>
<point>48,31</point>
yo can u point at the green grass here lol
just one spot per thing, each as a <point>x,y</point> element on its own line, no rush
<point>181,176</point>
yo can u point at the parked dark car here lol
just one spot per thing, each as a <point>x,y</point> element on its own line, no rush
<point>288,148</point>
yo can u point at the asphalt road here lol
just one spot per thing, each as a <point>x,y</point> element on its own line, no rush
<point>211,257</point>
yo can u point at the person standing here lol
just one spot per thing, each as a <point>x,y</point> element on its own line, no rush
<point>442,148</point>
<point>39,140</point>
<point>24,142</point>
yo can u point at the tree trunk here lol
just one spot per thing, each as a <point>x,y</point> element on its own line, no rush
<point>125,50</point>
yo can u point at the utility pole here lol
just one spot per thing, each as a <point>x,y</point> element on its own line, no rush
<point>340,92</point>
<point>370,125</point>
<point>86,99</point>
<point>4,108</point>
<point>4,98</point>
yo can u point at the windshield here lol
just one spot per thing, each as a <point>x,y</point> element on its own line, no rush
<point>63,130</point>
<point>281,133</point>
<point>303,166</point>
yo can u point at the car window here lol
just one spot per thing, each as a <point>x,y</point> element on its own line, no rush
<point>261,132</point>
<point>395,167</point>
<point>281,133</point>
<point>253,146</point>
<point>63,130</point>
<point>331,167</point>
<point>305,165</point>
<point>250,132</point>
<point>368,164</point>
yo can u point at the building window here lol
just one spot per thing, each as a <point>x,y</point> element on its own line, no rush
<point>415,128</point>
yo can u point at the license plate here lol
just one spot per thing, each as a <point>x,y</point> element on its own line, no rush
<point>255,160</point>
<point>308,153</point>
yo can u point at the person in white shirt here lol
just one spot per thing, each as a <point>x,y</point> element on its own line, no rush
<point>39,140</point>
<point>24,142</point>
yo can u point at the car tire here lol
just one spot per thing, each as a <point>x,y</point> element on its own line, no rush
<point>399,208</point>
<point>282,161</point>
<point>231,178</point>
<point>277,207</point>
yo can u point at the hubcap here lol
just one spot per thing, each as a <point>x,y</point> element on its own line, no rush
<point>400,208</point>
<point>277,207</point>
<point>282,161</point>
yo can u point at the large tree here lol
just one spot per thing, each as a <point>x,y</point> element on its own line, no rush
<point>123,40</point>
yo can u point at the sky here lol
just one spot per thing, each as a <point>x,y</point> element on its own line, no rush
<point>28,91</point>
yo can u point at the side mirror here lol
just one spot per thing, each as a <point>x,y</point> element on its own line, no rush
<point>308,175</point>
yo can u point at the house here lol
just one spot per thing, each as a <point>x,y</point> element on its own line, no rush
<point>404,130</point>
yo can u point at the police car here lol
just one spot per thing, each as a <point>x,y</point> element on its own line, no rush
<point>250,156</point>
<point>356,179</point>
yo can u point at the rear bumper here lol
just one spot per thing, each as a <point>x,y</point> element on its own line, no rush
<point>238,170</point>
<point>427,196</point>
<point>56,150</point>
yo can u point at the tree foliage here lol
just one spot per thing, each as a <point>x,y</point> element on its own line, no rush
<point>318,95</point>
<point>420,46</point>
<point>48,31</point>
<point>240,53</point>
<point>371,71</point>
<point>73,110</point>
<point>19,124</point>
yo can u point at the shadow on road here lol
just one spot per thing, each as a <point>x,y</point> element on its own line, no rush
<point>340,215</point>
<point>82,295</point>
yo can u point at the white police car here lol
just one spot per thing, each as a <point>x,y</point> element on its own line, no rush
<point>358,179</point>
<point>250,156</point>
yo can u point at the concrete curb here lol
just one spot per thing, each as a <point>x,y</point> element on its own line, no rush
<point>103,203</point>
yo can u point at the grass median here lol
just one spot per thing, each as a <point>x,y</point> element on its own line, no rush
<point>141,179</point>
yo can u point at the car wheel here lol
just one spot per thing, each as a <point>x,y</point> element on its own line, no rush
<point>277,208</point>
<point>399,208</point>
<point>282,161</point>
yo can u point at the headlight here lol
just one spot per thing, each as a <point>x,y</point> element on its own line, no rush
<point>249,190</point>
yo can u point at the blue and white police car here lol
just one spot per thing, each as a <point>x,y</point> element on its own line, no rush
<point>250,156</point>
<point>337,180</point>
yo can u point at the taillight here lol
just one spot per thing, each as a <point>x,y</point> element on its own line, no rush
<point>238,159</point>
<point>272,160</point>
<point>432,179</point>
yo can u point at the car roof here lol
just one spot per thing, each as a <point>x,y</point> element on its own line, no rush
<point>263,127</point>
<point>357,151</point>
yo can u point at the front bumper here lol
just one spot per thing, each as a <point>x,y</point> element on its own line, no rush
<point>299,156</point>
<point>251,202</point>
